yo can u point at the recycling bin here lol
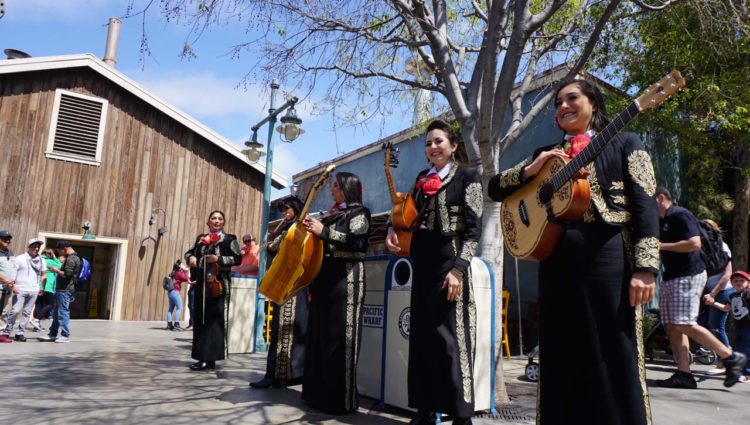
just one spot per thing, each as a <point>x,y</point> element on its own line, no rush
<point>370,365</point>
<point>241,325</point>
<point>396,339</point>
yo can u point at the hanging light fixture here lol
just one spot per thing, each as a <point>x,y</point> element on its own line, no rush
<point>290,126</point>
<point>254,149</point>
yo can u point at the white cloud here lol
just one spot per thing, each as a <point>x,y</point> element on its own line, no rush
<point>203,94</point>
<point>285,159</point>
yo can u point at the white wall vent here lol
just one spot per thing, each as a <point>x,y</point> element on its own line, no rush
<point>77,128</point>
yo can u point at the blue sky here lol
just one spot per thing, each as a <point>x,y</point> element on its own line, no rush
<point>207,87</point>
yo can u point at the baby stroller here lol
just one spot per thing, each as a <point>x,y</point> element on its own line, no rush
<point>532,367</point>
<point>656,338</point>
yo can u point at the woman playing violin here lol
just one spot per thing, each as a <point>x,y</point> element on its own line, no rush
<point>211,259</point>
<point>285,364</point>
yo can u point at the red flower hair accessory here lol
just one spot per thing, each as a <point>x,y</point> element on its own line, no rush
<point>429,184</point>
<point>577,144</point>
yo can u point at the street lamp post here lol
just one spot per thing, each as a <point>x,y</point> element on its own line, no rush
<point>290,130</point>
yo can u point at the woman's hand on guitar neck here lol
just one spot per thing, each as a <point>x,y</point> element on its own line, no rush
<point>391,241</point>
<point>533,169</point>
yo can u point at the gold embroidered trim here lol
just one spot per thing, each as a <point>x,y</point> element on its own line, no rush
<point>597,197</point>
<point>349,335</point>
<point>285,331</point>
<point>642,362</point>
<point>469,285</point>
<point>358,225</point>
<point>336,235</point>
<point>445,222</point>
<point>647,253</point>
<point>512,176</point>
<point>347,255</point>
<point>642,171</point>
<point>620,199</point>
<point>463,352</point>
<point>430,222</point>
<point>474,198</point>
<point>468,250</point>
<point>617,185</point>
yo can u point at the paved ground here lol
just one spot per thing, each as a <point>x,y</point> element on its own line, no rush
<point>135,373</point>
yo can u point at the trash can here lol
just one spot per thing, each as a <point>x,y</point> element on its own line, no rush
<point>241,325</point>
<point>396,347</point>
<point>370,365</point>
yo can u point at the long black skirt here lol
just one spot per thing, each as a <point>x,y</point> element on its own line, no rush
<point>591,368</point>
<point>334,335</point>
<point>441,335</point>
<point>286,351</point>
<point>208,330</point>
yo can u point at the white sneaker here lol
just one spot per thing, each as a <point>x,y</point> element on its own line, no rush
<point>46,338</point>
<point>62,339</point>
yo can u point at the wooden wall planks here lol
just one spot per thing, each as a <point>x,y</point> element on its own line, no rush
<point>148,161</point>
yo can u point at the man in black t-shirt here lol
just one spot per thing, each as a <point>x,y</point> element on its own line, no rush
<point>66,279</point>
<point>680,293</point>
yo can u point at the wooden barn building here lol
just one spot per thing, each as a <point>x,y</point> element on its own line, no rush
<point>82,142</point>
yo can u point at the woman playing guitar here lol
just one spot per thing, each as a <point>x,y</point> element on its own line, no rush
<point>337,292</point>
<point>601,270</point>
<point>211,258</point>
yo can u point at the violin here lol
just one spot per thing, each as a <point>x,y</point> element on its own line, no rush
<point>212,284</point>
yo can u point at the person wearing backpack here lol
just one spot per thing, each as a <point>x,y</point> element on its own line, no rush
<point>179,275</point>
<point>680,295</point>
<point>716,255</point>
<point>66,281</point>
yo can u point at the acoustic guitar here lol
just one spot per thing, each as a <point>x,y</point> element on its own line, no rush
<point>299,258</point>
<point>532,217</point>
<point>404,210</point>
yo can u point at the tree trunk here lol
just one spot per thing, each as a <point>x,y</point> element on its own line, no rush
<point>492,251</point>
<point>741,210</point>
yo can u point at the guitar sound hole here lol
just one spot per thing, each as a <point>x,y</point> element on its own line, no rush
<point>523,213</point>
<point>545,193</point>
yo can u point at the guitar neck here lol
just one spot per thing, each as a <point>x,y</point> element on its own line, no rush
<point>391,188</point>
<point>313,191</point>
<point>308,203</point>
<point>595,147</point>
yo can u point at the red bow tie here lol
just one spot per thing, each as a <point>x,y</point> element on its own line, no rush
<point>577,144</point>
<point>429,184</point>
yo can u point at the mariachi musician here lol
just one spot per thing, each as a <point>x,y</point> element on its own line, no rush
<point>337,293</point>
<point>285,364</point>
<point>210,260</point>
<point>599,274</point>
<point>443,312</point>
